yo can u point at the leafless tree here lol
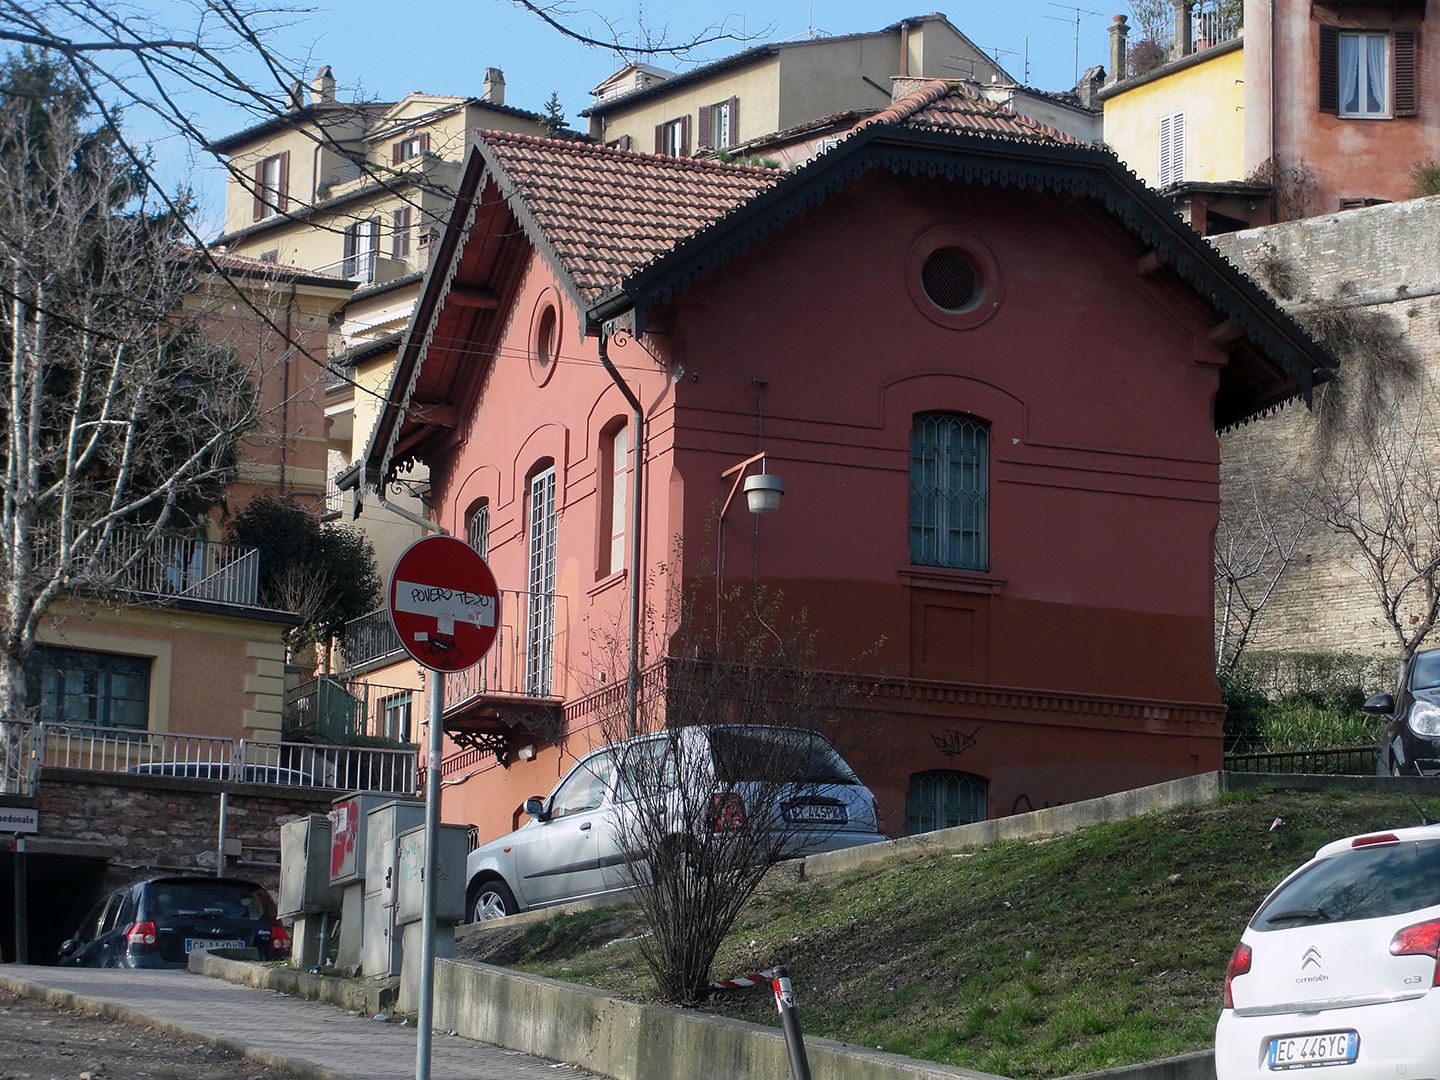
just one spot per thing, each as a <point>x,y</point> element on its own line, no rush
<point>1265,520</point>
<point>1383,495</point>
<point>701,820</point>
<point>121,413</point>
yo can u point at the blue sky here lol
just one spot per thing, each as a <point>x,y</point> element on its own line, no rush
<point>386,50</point>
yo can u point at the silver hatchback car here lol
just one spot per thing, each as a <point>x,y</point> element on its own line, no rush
<point>575,844</point>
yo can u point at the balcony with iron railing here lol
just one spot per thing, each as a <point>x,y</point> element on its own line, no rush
<point>333,708</point>
<point>29,747</point>
<point>163,565</point>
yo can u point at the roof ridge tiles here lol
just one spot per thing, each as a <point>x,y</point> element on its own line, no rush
<point>575,146</point>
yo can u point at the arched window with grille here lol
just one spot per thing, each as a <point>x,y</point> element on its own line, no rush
<point>477,528</point>
<point>944,798</point>
<point>950,491</point>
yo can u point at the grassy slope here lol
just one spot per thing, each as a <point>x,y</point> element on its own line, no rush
<point>1098,949</point>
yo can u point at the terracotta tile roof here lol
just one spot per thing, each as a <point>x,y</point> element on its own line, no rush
<point>940,105</point>
<point>608,212</point>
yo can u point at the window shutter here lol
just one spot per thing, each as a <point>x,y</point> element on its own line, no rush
<point>397,152</point>
<point>685,135</point>
<point>659,138</point>
<point>282,197</point>
<point>1405,72</point>
<point>1329,69</point>
<point>702,129</point>
<point>626,143</point>
<point>1177,148</point>
<point>1163,178</point>
<point>350,241</point>
<point>425,143</point>
<point>259,190</point>
<point>734,121</point>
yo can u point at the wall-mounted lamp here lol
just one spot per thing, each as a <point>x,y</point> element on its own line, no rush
<point>762,491</point>
<point>526,753</point>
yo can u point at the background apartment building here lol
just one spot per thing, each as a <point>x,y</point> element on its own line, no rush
<point>358,190</point>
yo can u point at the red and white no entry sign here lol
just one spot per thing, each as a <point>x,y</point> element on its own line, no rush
<point>444,603</point>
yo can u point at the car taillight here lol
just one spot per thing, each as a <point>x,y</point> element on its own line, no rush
<point>1375,838</point>
<point>1422,939</point>
<point>279,938</point>
<point>1239,965</point>
<point>728,811</point>
<point>879,817</point>
<point>142,933</point>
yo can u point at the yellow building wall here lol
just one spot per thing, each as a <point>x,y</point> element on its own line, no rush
<point>1210,94</point>
<point>756,87</point>
<point>210,674</point>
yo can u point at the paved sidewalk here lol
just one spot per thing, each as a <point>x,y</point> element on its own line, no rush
<point>312,1039</point>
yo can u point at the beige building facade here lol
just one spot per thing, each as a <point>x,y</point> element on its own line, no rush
<point>740,101</point>
<point>359,191</point>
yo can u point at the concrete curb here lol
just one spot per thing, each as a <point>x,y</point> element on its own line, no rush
<point>1199,1065</point>
<point>83,1003</point>
<point>366,996</point>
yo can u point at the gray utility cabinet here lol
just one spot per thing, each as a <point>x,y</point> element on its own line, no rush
<point>305,887</point>
<point>349,820</point>
<point>453,848</point>
<point>384,823</point>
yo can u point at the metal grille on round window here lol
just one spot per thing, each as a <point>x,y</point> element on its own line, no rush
<point>950,280</point>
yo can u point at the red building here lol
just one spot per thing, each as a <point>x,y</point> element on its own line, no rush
<point>987,363</point>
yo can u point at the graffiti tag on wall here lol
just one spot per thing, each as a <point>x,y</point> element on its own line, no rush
<point>953,742</point>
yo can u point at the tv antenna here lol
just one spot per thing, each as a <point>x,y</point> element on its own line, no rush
<point>1080,14</point>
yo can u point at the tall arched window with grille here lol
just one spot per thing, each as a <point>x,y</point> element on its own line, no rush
<point>944,798</point>
<point>950,491</point>
<point>540,582</point>
<point>477,527</point>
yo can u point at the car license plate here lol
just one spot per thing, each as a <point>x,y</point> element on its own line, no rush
<point>193,943</point>
<point>1307,1051</point>
<point>816,813</point>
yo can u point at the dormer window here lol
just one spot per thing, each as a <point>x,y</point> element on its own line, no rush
<point>409,147</point>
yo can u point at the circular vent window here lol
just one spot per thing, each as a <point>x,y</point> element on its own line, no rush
<point>953,277</point>
<point>544,337</point>
<point>950,280</point>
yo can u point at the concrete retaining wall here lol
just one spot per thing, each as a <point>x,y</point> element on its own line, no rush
<point>642,1042</point>
<point>366,996</point>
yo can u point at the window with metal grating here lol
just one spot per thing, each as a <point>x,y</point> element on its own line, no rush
<point>949,492</point>
<point>950,280</point>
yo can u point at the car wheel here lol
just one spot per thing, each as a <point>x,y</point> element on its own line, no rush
<point>491,899</point>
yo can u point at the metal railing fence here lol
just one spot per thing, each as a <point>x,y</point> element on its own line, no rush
<point>329,707</point>
<point>168,565</point>
<point>369,638</point>
<point>510,667</point>
<point>207,757</point>
<point>1348,761</point>
<point>18,763</point>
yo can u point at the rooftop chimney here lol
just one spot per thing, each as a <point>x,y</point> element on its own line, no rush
<point>1183,46</point>
<point>322,87</point>
<point>494,86</point>
<point>1119,32</point>
<point>295,97</point>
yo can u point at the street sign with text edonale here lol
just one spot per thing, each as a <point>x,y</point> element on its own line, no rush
<point>444,603</point>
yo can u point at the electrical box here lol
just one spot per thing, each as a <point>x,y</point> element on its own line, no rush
<point>453,847</point>
<point>305,887</point>
<point>381,952</point>
<point>349,818</point>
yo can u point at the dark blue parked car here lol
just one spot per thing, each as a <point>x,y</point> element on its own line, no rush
<point>158,923</point>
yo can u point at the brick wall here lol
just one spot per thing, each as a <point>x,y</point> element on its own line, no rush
<point>1386,260</point>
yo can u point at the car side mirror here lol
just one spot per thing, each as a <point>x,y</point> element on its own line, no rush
<point>1380,704</point>
<point>535,807</point>
<point>68,946</point>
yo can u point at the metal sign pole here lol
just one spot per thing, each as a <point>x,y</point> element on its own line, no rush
<point>22,905</point>
<point>435,694</point>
